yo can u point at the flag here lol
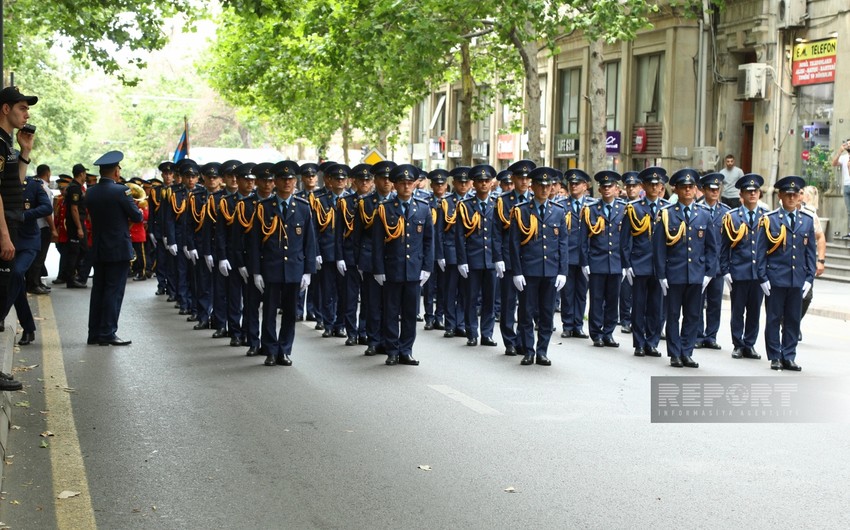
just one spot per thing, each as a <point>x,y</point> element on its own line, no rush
<point>182,150</point>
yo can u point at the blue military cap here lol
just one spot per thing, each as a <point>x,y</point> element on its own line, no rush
<point>422,174</point>
<point>308,170</point>
<point>438,176</point>
<point>285,169</point>
<point>545,175</point>
<point>383,168</point>
<point>684,177</point>
<point>244,170</point>
<point>653,175</point>
<point>404,172</point>
<point>227,168</point>
<point>188,167</point>
<point>337,171</point>
<point>750,181</point>
<point>362,171</point>
<point>263,171</point>
<point>166,167</point>
<point>482,172</point>
<point>325,165</point>
<point>711,181</point>
<point>522,168</point>
<point>460,173</point>
<point>211,169</point>
<point>631,177</point>
<point>503,176</point>
<point>575,176</point>
<point>110,159</point>
<point>606,177</point>
<point>790,184</point>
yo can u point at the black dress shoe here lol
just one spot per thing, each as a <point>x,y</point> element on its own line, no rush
<point>698,345</point>
<point>284,360</point>
<point>92,342</point>
<point>439,325</point>
<point>351,341</point>
<point>204,324</point>
<point>472,341</point>
<point>750,353</point>
<point>139,278</point>
<point>340,334</point>
<point>219,334</point>
<point>428,326</point>
<point>487,341</point>
<point>611,343</point>
<point>689,362</point>
<point>566,334</point>
<point>7,384</point>
<point>710,344</point>
<point>449,333</point>
<point>299,318</point>
<point>252,352</point>
<point>320,327</point>
<point>626,329</point>
<point>737,353</point>
<point>510,350</point>
<point>115,341</point>
<point>527,360</point>
<point>639,352</point>
<point>170,299</point>
<point>38,290</point>
<point>269,360</point>
<point>676,362</point>
<point>327,333</point>
<point>791,365</point>
<point>58,281</point>
<point>26,338</point>
<point>460,333</point>
<point>391,360</point>
<point>363,341</point>
<point>311,317</point>
<point>578,334</point>
<point>190,318</point>
<point>408,360</point>
<point>235,342</point>
<point>74,284</point>
<point>370,351</point>
<point>599,343</point>
<point>776,364</point>
<point>160,291</point>
<point>543,360</point>
<point>419,318</point>
<point>663,336</point>
<point>651,351</point>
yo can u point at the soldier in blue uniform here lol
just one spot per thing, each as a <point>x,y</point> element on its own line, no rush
<point>539,254</point>
<point>685,253</point>
<point>402,257</point>
<point>632,185</point>
<point>434,299</point>
<point>637,248</point>
<point>601,257</point>
<point>712,297</point>
<point>175,222</point>
<point>199,246</point>
<point>282,259</point>
<point>159,197</point>
<point>574,294</point>
<point>476,225</point>
<point>446,255</point>
<point>738,265</point>
<point>246,175</point>
<point>111,209</point>
<point>232,283</point>
<point>336,177</point>
<point>309,173</point>
<point>347,248</point>
<point>787,261</point>
<point>508,293</point>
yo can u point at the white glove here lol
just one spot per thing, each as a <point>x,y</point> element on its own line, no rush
<point>224,267</point>
<point>442,264</point>
<point>765,287</point>
<point>360,272</point>
<point>193,255</point>
<point>340,266</point>
<point>186,252</point>
<point>153,240</point>
<point>165,241</point>
<point>727,279</point>
<point>318,263</point>
<point>172,249</point>
<point>500,269</point>
<point>807,286</point>
<point>381,278</point>
<point>423,277</point>
<point>630,275</point>
<point>586,271</point>
<point>705,281</point>
<point>258,283</point>
<point>664,286</point>
<point>560,282</point>
<point>519,282</point>
<point>463,270</point>
<point>305,282</point>
<point>210,262</point>
<point>243,271</point>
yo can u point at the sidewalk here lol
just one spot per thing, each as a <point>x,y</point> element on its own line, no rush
<point>831,299</point>
<point>7,346</point>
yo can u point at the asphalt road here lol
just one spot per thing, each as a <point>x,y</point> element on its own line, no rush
<point>180,430</point>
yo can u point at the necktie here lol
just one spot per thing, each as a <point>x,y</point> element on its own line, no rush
<point>687,214</point>
<point>481,206</point>
<point>404,209</point>
<point>575,206</point>
<point>791,220</point>
<point>711,211</point>
<point>540,210</point>
<point>652,209</point>
<point>752,218</point>
<point>282,206</point>
<point>608,211</point>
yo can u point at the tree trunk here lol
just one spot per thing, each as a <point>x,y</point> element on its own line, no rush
<point>382,143</point>
<point>528,54</point>
<point>466,104</point>
<point>346,139</point>
<point>598,103</point>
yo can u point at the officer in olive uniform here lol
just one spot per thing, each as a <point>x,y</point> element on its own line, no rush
<point>539,254</point>
<point>402,258</point>
<point>738,265</point>
<point>685,253</point>
<point>712,298</point>
<point>787,261</point>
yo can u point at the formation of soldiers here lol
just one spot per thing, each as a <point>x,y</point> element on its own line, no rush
<point>246,254</point>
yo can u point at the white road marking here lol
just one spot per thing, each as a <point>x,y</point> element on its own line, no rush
<point>465,400</point>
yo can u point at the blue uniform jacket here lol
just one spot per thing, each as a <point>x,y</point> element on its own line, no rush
<point>283,244</point>
<point>504,205</point>
<point>601,237</point>
<point>447,224</point>
<point>326,210</point>
<point>347,246</point>
<point>36,205</point>
<point>739,244</point>
<point>403,252</point>
<point>474,241</point>
<point>786,257</point>
<point>111,209</point>
<point>716,216</point>
<point>543,252</point>
<point>240,231</point>
<point>176,217</point>
<point>684,253</point>
<point>574,222</point>
<point>364,222</point>
<point>636,238</point>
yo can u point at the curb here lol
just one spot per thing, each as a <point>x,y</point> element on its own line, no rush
<point>7,350</point>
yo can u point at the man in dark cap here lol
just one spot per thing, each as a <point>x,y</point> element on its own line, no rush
<point>446,255</point>
<point>75,227</point>
<point>159,197</point>
<point>177,234</point>
<point>434,298</point>
<point>712,297</point>
<point>110,208</point>
<point>574,293</point>
<point>225,235</point>
<point>310,191</point>
<point>336,178</point>
<point>632,189</point>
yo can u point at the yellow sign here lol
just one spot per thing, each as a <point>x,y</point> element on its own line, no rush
<point>816,49</point>
<point>373,157</point>
<point>814,62</point>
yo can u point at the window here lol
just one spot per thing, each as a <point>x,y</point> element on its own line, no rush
<point>458,110</point>
<point>612,89</point>
<point>421,121</point>
<point>542,81</point>
<point>482,126</point>
<point>568,88</point>
<point>649,105</point>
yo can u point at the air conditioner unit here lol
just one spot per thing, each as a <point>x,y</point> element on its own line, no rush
<point>791,14</point>
<point>705,158</point>
<point>752,81</point>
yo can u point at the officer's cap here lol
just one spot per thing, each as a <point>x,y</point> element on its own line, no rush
<point>138,180</point>
<point>522,168</point>
<point>750,181</point>
<point>545,175</point>
<point>631,177</point>
<point>362,171</point>
<point>438,176</point>
<point>790,184</point>
<point>79,168</point>
<point>263,171</point>
<point>325,165</point>
<point>711,181</point>
<point>245,170</point>
<point>228,167</point>
<point>383,168</point>
<point>188,168</point>
<point>155,182</point>
<point>308,170</point>
<point>109,159</point>
<point>422,174</point>
<point>63,180</point>
<point>460,173</point>
<point>684,177</point>
<point>482,172</point>
<point>576,176</point>
<point>337,171</point>
<point>12,95</point>
<point>606,177</point>
<point>404,172</point>
<point>165,167</point>
<point>503,176</point>
<point>285,169</point>
<point>653,175</point>
<point>211,170</point>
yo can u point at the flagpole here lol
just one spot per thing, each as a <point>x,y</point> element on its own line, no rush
<point>186,130</point>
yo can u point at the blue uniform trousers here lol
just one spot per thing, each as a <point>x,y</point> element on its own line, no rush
<point>709,314</point>
<point>574,300</point>
<point>481,283</point>
<point>784,308</point>
<point>604,291</point>
<point>454,298</point>
<point>429,292</point>
<point>181,281</point>
<point>536,302</point>
<point>746,296</point>
<point>507,311</point>
<point>373,303</point>
<point>330,279</point>
<point>16,290</point>
<point>164,262</point>
<point>349,296</point>
<point>684,300</point>
<point>437,280</point>
<point>218,318</point>
<point>399,301</point>
<point>234,285</point>
<point>283,296</point>
<point>646,318</point>
<point>203,291</point>
<point>251,299</point>
<point>625,303</point>
<point>107,295</point>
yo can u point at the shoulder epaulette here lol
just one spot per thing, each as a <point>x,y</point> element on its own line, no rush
<point>808,212</point>
<point>558,204</point>
<point>668,205</point>
<point>420,199</point>
<point>301,199</point>
<point>723,206</point>
<point>635,201</point>
<point>590,200</point>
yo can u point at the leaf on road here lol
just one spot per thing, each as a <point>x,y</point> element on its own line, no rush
<point>68,389</point>
<point>45,434</point>
<point>14,502</point>
<point>425,467</point>
<point>510,489</point>
<point>44,445</point>
<point>15,427</point>
<point>67,494</point>
<point>23,404</point>
<point>22,361</point>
